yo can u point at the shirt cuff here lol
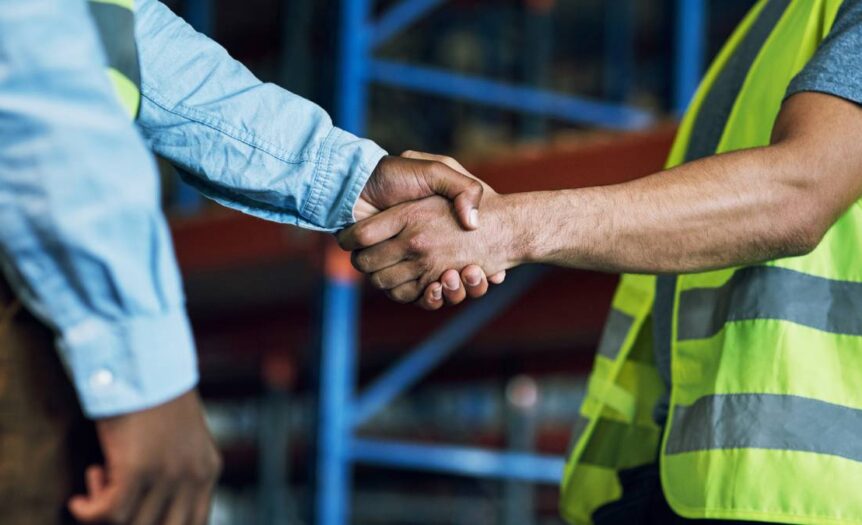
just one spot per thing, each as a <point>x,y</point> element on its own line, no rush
<point>132,365</point>
<point>344,166</point>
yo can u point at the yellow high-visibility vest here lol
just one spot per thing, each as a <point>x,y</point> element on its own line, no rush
<point>115,22</point>
<point>765,420</point>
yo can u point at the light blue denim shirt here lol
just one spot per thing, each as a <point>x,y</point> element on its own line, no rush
<point>82,238</point>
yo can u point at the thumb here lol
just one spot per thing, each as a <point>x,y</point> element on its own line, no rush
<point>82,506</point>
<point>464,191</point>
<point>460,188</point>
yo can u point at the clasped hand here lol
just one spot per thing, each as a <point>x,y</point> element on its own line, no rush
<point>430,250</point>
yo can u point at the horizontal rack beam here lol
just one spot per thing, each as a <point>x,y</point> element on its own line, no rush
<point>546,103</point>
<point>466,461</point>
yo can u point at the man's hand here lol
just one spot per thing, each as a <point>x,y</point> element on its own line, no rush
<point>415,176</point>
<point>424,240</point>
<point>453,286</point>
<point>160,468</point>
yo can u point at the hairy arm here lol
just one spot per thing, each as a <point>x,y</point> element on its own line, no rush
<point>726,210</point>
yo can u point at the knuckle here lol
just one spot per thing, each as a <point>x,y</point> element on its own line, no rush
<point>342,240</point>
<point>439,168</point>
<point>199,474</point>
<point>211,466</point>
<point>417,244</point>
<point>413,213</point>
<point>214,462</point>
<point>360,261</point>
<point>217,464</point>
<point>362,235</point>
<point>377,281</point>
<point>422,266</point>
<point>402,295</point>
<point>204,472</point>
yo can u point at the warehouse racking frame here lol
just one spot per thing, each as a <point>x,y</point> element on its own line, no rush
<point>341,409</point>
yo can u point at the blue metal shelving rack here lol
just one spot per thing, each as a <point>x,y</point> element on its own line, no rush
<point>342,410</point>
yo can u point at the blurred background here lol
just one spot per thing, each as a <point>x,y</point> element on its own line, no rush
<point>324,410</point>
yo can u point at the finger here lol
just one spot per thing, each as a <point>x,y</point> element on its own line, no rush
<point>202,507</point>
<point>96,479</point>
<point>475,282</point>
<point>432,299</point>
<point>181,507</point>
<point>449,161</point>
<point>153,506</point>
<point>378,257</point>
<point>394,276</point>
<point>453,292</point>
<point>107,499</point>
<point>96,483</point>
<point>498,277</point>
<point>463,190</point>
<point>371,231</point>
<point>406,293</point>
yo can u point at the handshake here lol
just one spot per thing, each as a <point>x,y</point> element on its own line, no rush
<point>419,236</point>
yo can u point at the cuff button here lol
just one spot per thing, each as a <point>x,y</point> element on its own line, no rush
<point>101,378</point>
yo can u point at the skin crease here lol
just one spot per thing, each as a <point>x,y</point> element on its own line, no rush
<point>726,210</point>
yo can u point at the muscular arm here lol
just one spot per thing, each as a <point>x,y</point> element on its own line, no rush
<point>726,210</point>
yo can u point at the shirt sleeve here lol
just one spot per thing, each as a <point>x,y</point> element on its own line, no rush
<point>249,145</point>
<point>82,238</point>
<point>836,67</point>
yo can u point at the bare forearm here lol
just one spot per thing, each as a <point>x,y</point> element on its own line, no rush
<point>722,211</point>
<point>727,210</point>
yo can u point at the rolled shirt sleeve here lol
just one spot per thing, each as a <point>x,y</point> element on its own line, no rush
<point>249,145</point>
<point>82,238</point>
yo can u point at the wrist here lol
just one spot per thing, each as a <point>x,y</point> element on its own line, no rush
<point>513,224</point>
<point>363,208</point>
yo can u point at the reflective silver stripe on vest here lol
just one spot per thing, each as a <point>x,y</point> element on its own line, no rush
<point>616,329</point>
<point>768,292</point>
<point>766,421</point>
<point>707,130</point>
<point>116,26</point>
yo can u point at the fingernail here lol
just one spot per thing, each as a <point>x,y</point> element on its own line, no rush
<point>474,218</point>
<point>452,284</point>
<point>437,293</point>
<point>472,280</point>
